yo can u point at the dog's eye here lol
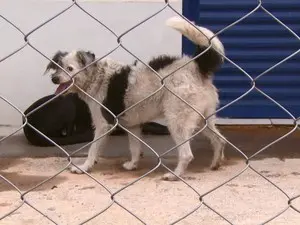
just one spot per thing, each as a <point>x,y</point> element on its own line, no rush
<point>70,69</point>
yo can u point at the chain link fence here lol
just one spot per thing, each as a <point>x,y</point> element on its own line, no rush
<point>23,195</point>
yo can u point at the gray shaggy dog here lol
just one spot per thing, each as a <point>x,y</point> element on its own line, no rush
<point>118,86</point>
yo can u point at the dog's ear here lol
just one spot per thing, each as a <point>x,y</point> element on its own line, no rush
<point>57,59</point>
<point>85,58</point>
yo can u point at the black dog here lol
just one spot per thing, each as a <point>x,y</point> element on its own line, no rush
<point>66,120</point>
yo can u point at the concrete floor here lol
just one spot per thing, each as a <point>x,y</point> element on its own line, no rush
<point>248,138</point>
<point>70,199</point>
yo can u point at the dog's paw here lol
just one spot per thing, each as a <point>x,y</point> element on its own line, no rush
<point>169,177</point>
<point>80,169</point>
<point>129,165</point>
<point>215,166</point>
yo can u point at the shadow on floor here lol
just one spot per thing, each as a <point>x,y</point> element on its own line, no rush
<point>249,139</point>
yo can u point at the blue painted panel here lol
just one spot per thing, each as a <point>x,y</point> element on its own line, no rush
<point>255,44</point>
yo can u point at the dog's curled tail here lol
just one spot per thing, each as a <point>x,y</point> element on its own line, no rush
<point>209,61</point>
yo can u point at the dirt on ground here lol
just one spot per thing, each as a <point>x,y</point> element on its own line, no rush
<point>247,199</point>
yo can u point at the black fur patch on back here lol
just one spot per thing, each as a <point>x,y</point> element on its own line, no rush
<point>161,62</point>
<point>208,62</point>
<point>114,100</point>
<point>57,59</point>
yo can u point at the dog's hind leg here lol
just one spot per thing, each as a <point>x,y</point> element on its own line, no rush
<point>135,149</point>
<point>181,129</point>
<point>217,142</point>
<point>93,151</point>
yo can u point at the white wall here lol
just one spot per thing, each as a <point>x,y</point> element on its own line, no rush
<point>21,75</point>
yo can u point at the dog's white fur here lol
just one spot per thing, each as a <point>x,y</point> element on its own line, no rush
<point>182,120</point>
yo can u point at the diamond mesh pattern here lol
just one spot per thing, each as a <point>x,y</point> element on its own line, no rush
<point>25,200</point>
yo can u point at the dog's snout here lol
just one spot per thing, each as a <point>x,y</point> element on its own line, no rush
<point>55,80</point>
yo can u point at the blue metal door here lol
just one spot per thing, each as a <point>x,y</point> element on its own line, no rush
<point>256,44</point>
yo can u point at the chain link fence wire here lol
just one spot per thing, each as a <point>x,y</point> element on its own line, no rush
<point>119,44</point>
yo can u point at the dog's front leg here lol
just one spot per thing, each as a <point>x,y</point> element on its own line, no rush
<point>135,149</point>
<point>93,151</point>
